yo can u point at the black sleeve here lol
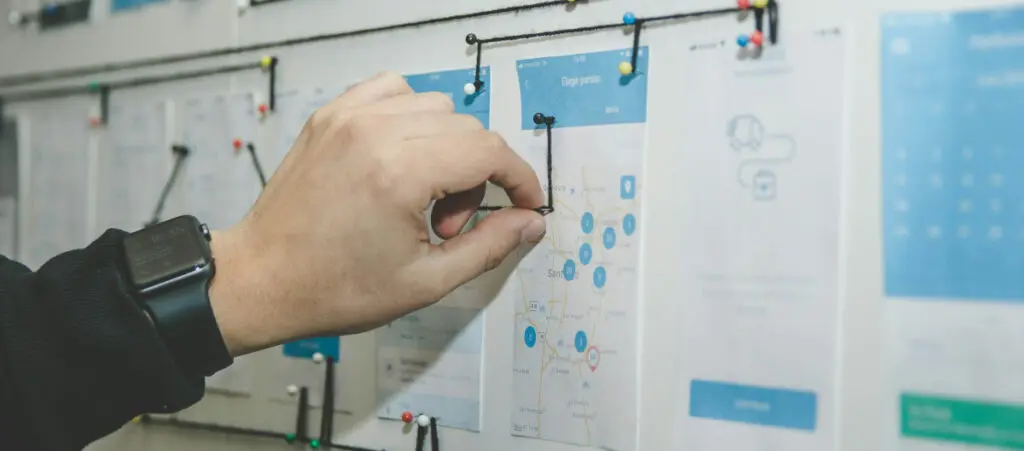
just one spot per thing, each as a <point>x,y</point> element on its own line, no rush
<point>78,357</point>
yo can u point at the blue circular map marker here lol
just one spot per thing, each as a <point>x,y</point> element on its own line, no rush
<point>587,222</point>
<point>586,253</point>
<point>600,277</point>
<point>569,270</point>
<point>629,224</point>
<point>609,238</point>
<point>581,341</point>
<point>530,336</point>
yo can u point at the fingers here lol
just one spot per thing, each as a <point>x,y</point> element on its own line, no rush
<point>416,103</point>
<point>451,214</point>
<point>482,249</point>
<point>425,124</point>
<point>463,161</point>
<point>382,86</point>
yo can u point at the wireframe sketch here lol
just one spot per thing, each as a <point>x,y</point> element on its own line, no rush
<point>759,151</point>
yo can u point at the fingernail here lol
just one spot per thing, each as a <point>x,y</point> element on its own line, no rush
<point>533,232</point>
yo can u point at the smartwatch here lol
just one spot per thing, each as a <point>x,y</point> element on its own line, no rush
<point>170,266</point>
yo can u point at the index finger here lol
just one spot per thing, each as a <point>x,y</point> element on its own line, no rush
<point>462,161</point>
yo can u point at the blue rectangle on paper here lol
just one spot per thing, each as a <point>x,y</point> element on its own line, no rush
<point>775,407</point>
<point>953,171</point>
<point>121,5</point>
<point>304,349</point>
<point>452,83</point>
<point>585,89</point>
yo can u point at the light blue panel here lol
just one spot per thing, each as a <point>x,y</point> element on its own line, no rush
<point>304,349</point>
<point>953,169</point>
<point>436,328</point>
<point>585,89</point>
<point>450,412</point>
<point>452,83</point>
<point>783,408</point>
<point>121,5</point>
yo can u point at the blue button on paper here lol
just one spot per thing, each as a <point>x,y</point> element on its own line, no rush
<point>775,407</point>
<point>627,187</point>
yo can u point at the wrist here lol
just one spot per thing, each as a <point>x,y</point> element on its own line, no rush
<point>237,301</point>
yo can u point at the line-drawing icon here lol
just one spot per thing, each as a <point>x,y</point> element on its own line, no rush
<point>748,137</point>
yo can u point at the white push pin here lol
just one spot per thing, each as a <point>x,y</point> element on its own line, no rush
<point>423,421</point>
<point>14,18</point>
<point>318,358</point>
<point>469,89</point>
<point>293,390</point>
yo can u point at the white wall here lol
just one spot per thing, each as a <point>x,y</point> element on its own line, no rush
<point>186,25</point>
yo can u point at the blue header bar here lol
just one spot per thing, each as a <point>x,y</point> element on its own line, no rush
<point>304,349</point>
<point>452,83</point>
<point>585,89</point>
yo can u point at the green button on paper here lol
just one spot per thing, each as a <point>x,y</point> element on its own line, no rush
<point>961,420</point>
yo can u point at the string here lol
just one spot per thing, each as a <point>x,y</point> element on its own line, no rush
<point>637,25</point>
<point>549,208</point>
<point>180,152</point>
<point>29,78</point>
<point>64,91</point>
<point>256,164</point>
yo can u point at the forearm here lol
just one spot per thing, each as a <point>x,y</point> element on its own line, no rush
<point>78,357</point>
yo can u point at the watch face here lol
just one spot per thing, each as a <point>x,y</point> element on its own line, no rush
<point>166,250</point>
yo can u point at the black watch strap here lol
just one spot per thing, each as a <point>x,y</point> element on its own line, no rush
<point>185,321</point>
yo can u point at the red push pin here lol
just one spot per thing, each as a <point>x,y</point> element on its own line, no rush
<point>407,417</point>
<point>238,144</point>
<point>757,38</point>
<point>263,109</point>
<point>94,121</point>
<point>743,4</point>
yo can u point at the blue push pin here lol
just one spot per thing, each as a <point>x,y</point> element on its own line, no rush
<point>743,40</point>
<point>629,18</point>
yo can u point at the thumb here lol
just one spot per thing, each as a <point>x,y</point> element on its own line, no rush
<point>485,247</point>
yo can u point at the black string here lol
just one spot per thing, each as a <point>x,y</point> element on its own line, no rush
<point>180,153</point>
<point>256,164</point>
<point>23,79</point>
<point>64,91</point>
<point>472,39</point>
<point>301,418</point>
<point>547,121</point>
<point>434,441</point>
<point>327,414</point>
<point>421,437</point>
<point>194,425</point>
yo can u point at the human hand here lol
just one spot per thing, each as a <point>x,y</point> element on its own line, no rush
<point>337,243</point>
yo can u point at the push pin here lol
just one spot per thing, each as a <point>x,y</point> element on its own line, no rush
<point>629,19</point>
<point>318,358</point>
<point>262,109</point>
<point>756,38</point>
<point>293,390</point>
<point>625,68</point>
<point>15,18</point>
<point>237,144</point>
<point>541,119</point>
<point>423,421</point>
<point>95,122</point>
<point>743,4</point>
<point>407,417</point>
<point>266,62</point>
<point>760,4</point>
